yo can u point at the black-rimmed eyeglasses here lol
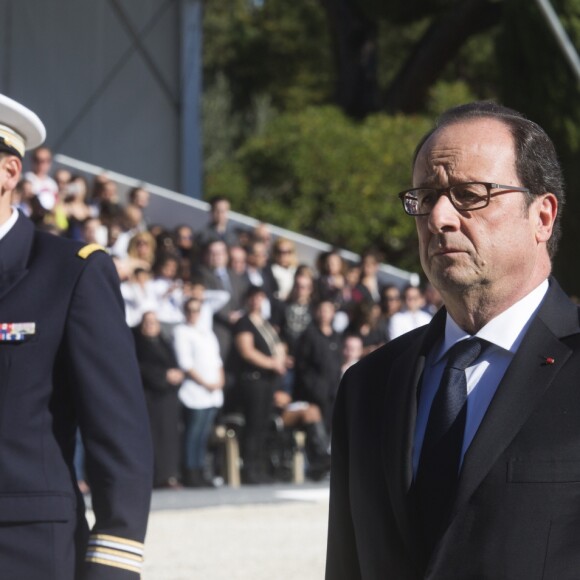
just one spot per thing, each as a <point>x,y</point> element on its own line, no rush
<point>468,196</point>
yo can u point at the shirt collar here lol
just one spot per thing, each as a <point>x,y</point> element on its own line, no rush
<point>9,223</point>
<point>506,330</point>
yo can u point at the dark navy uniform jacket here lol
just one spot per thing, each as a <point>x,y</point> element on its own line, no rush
<point>67,358</point>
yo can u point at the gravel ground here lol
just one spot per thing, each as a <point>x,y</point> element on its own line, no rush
<point>261,542</point>
<point>259,533</point>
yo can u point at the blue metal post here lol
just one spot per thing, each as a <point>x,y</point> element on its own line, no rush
<point>191,93</point>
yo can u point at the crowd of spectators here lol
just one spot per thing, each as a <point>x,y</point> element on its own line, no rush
<point>227,321</point>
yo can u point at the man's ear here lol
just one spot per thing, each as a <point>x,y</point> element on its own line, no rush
<point>11,167</point>
<point>546,212</point>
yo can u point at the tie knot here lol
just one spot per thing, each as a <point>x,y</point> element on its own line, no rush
<point>462,354</point>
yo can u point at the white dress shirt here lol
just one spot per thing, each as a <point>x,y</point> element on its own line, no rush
<point>169,297</point>
<point>138,300</point>
<point>285,280</point>
<point>196,347</point>
<point>407,320</point>
<point>505,332</point>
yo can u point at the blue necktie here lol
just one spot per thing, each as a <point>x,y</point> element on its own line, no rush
<point>438,470</point>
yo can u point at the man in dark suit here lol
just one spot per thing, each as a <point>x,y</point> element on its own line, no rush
<point>456,447</point>
<point>215,275</point>
<point>67,359</point>
<point>219,227</point>
<point>318,359</point>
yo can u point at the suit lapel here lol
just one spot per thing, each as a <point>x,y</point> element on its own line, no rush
<point>525,381</point>
<point>399,427</point>
<point>15,250</point>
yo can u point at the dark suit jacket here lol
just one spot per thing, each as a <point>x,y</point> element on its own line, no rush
<point>318,360</point>
<point>517,510</point>
<point>238,287</point>
<point>156,356</point>
<point>77,368</point>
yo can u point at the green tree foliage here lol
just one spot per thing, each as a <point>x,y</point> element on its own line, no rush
<point>404,12</point>
<point>259,59</point>
<point>546,90</point>
<point>320,173</point>
<point>281,49</point>
<point>277,146</point>
<point>394,42</point>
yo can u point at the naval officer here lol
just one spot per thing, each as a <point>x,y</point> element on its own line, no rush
<point>66,360</point>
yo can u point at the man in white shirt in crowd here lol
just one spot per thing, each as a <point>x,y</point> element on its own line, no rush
<point>412,316</point>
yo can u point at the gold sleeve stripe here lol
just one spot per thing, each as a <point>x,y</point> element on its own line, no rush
<point>120,554</point>
<point>97,538</point>
<point>121,565</point>
<point>89,249</point>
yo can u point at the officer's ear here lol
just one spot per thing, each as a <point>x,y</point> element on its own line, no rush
<point>11,168</point>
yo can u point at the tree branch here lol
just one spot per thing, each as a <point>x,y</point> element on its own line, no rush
<point>355,48</point>
<point>440,43</point>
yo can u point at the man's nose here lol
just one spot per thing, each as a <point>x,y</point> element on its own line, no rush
<point>443,216</point>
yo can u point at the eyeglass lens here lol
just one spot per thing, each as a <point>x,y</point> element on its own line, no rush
<point>463,196</point>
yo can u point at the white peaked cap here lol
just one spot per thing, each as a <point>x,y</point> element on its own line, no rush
<point>20,128</point>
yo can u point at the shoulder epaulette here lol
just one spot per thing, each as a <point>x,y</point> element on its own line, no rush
<point>87,250</point>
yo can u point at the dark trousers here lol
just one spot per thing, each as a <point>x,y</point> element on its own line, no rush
<point>165,417</point>
<point>198,424</point>
<point>256,395</point>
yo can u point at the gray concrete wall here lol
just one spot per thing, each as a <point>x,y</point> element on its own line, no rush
<point>103,76</point>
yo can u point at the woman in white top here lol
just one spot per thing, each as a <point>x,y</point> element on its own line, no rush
<point>197,351</point>
<point>168,290</point>
<point>139,296</point>
<point>284,266</point>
